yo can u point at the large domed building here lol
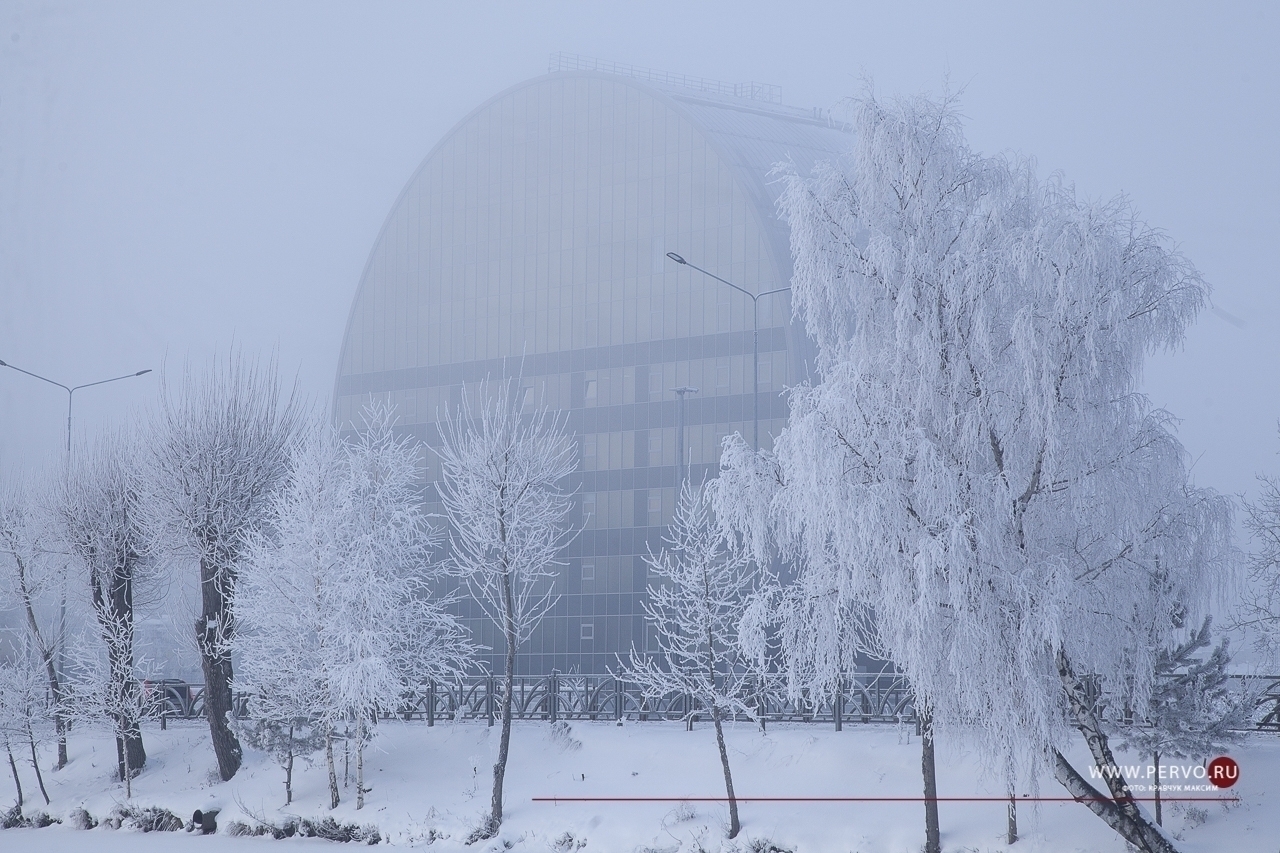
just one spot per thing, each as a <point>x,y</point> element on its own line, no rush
<point>533,240</point>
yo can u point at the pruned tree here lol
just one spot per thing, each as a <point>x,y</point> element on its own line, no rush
<point>220,448</point>
<point>1191,710</point>
<point>338,620</point>
<point>706,581</point>
<point>33,569</point>
<point>504,495</point>
<point>100,515</point>
<point>974,464</point>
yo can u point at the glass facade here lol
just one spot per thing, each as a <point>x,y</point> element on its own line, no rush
<point>532,241</point>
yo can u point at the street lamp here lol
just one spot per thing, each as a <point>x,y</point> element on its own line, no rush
<point>755,340</point>
<point>72,390</point>
<point>680,461</point>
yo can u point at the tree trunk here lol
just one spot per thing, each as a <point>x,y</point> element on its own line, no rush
<point>1155,758</point>
<point>932,829</point>
<point>1011,832</point>
<point>1120,811</point>
<point>333,770</point>
<point>134,752</point>
<point>51,669</point>
<point>288,771</point>
<point>118,628</point>
<point>1137,832</point>
<point>35,763</point>
<point>13,765</point>
<point>734,826</point>
<point>504,744</point>
<point>359,761</point>
<point>213,636</point>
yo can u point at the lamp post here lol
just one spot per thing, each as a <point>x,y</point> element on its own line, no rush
<point>71,390</point>
<point>680,461</point>
<point>755,340</point>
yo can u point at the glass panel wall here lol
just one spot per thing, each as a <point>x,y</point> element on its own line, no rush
<point>532,242</point>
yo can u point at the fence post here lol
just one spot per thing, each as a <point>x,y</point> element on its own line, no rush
<point>488,700</point>
<point>837,705</point>
<point>431,702</point>
<point>554,692</point>
<point>619,694</point>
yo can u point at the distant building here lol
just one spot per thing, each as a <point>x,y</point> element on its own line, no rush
<point>536,233</point>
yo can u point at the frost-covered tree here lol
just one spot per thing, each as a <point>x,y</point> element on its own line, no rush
<point>1191,711</point>
<point>338,622</point>
<point>103,685</point>
<point>32,571</point>
<point>282,601</point>
<point>694,610</point>
<point>24,712</point>
<point>974,464</point>
<point>1260,611</point>
<point>100,515</point>
<point>503,491</point>
<point>220,447</point>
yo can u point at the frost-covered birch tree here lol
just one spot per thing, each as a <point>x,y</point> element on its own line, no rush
<point>694,609</point>
<point>974,464</point>
<point>338,620</point>
<point>32,571</point>
<point>220,447</point>
<point>100,514</point>
<point>503,490</point>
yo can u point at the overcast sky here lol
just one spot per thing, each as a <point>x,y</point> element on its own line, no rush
<point>179,178</point>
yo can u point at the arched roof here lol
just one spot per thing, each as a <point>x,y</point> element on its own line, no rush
<point>751,138</point>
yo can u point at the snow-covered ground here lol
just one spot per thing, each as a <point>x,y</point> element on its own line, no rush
<point>426,779</point>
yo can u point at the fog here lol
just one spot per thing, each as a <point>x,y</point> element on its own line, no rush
<point>177,180</point>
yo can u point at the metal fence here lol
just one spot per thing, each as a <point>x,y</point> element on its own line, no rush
<point>871,697</point>
<point>867,698</point>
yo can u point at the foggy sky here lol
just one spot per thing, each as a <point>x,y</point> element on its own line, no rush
<point>175,180</point>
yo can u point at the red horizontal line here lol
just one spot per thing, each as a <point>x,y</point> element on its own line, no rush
<point>1023,799</point>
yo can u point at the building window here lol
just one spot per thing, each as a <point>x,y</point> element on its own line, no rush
<point>588,631</point>
<point>655,508</point>
<point>590,394</point>
<point>588,571</point>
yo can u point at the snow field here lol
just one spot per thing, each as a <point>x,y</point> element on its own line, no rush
<point>426,779</point>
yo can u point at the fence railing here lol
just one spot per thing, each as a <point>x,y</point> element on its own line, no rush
<point>867,698</point>
<point>871,697</point>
